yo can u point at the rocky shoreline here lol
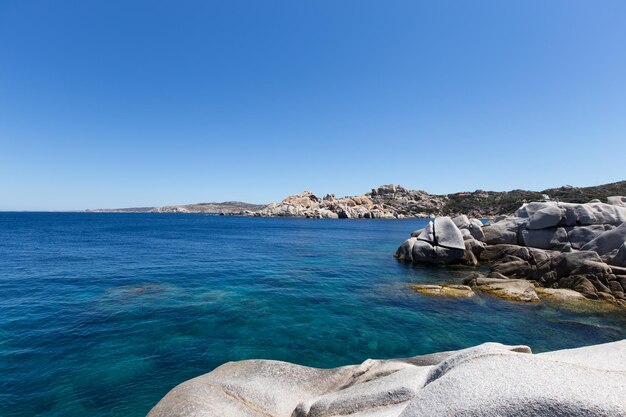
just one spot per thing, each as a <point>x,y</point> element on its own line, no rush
<point>488,380</point>
<point>546,249</point>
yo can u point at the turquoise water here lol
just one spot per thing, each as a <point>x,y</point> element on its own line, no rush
<point>102,314</point>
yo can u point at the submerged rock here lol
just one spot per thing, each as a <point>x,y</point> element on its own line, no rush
<point>444,290</point>
<point>510,289</point>
<point>488,380</point>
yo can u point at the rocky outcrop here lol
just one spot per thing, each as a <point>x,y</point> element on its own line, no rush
<point>488,380</point>
<point>442,241</point>
<point>579,247</point>
<point>385,202</point>
<point>309,205</point>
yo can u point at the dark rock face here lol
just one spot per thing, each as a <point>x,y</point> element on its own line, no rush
<point>560,246</point>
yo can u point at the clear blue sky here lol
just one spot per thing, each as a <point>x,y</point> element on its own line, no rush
<point>131,103</point>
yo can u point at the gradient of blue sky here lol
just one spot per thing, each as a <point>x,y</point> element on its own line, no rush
<point>131,103</point>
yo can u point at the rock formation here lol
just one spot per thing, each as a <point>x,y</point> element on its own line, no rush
<point>488,380</point>
<point>394,201</point>
<point>309,205</point>
<point>580,247</point>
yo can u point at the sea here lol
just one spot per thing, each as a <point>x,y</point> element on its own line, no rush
<point>101,314</point>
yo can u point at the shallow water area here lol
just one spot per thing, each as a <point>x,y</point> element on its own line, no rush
<point>102,314</point>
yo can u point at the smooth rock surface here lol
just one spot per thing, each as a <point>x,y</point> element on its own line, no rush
<point>447,234</point>
<point>444,290</point>
<point>549,216</point>
<point>607,241</point>
<point>428,233</point>
<point>489,380</point>
<point>511,289</point>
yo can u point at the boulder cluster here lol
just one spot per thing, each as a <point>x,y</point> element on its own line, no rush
<point>488,380</point>
<point>385,202</point>
<point>444,241</point>
<point>549,245</point>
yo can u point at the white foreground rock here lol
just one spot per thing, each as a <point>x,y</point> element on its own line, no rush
<point>488,380</point>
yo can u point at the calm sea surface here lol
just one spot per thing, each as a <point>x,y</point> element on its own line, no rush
<point>102,314</point>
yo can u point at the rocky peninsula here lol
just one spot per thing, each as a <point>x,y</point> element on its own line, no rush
<point>489,380</point>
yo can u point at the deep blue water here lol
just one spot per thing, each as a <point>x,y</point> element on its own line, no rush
<point>102,314</point>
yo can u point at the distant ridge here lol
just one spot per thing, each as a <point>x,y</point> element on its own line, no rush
<point>227,207</point>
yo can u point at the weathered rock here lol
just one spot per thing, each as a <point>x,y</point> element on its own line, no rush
<point>566,263</point>
<point>476,231</point>
<point>488,380</point>
<point>581,284</point>
<point>562,294</point>
<point>598,269</point>
<point>428,233</point>
<point>512,266</point>
<point>515,384</point>
<point>474,246</point>
<point>447,234</point>
<point>462,221</point>
<point>444,290</point>
<point>616,289</point>
<point>581,235</point>
<point>620,256</point>
<point>494,253</point>
<point>405,251</point>
<point>616,201</point>
<point>606,296</point>
<point>549,216</point>
<point>607,241</point>
<point>576,214</point>
<point>449,255</point>
<point>545,238</point>
<point>476,223</point>
<point>496,233</point>
<point>511,289</point>
<point>423,252</point>
<point>544,242</point>
<point>469,258</point>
